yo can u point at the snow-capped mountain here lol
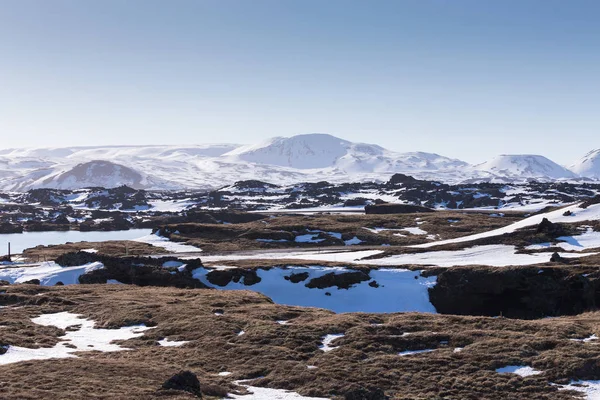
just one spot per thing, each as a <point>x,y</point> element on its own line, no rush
<point>302,158</point>
<point>589,165</point>
<point>524,166</point>
<point>95,173</point>
<point>315,151</point>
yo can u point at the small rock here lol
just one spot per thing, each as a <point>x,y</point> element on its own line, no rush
<point>557,258</point>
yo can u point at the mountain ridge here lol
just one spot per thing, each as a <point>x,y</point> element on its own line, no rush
<point>281,160</point>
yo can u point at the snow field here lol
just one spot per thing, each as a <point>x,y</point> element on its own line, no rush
<point>591,213</point>
<point>173,247</point>
<point>48,273</point>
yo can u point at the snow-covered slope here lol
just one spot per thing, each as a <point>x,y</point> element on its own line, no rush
<point>301,152</point>
<point>319,150</point>
<point>524,166</point>
<point>95,173</point>
<point>589,165</point>
<point>282,161</point>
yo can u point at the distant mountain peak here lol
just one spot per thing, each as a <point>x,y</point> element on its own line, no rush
<point>525,166</point>
<point>309,157</point>
<point>589,165</point>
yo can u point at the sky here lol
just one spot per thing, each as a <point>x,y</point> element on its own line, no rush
<point>467,79</point>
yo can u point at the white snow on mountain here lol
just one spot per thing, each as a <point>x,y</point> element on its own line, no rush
<point>525,166</point>
<point>589,165</point>
<point>301,158</point>
<point>315,151</point>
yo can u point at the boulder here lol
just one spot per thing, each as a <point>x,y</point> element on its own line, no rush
<point>185,381</point>
<point>341,281</point>
<point>297,277</point>
<point>558,259</point>
<point>222,278</point>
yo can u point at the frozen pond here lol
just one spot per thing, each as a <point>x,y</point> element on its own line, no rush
<point>26,240</point>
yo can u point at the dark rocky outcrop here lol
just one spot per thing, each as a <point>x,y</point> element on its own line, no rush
<point>7,227</point>
<point>222,278</point>
<point>36,226</point>
<point>558,259</point>
<point>341,281</point>
<point>589,202</point>
<point>185,381</point>
<point>401,179</point>
<point>551,229</point>
<point>141,271</point>
<point>297,277</point>
<point>46,197</point>
<point>116,223</point>
<point>121,198</point>
<point>516,292</point>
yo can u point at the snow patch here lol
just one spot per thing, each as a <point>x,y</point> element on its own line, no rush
<point>411,352</point>
<point>48,273</point>
<point>327,339</point>
<point>520,370</point>
<point>160,241</point>
<point>172,343</point>
<point>85,338</point>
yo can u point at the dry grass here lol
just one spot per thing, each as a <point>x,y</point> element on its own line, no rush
<point>110,248</point>
<point>218,238</point>
<point>367,356</point>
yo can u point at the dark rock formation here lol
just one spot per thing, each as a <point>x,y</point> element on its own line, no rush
<point>141,271</point>
<point>222,278</point>
<point>185,381</point>
<point>297,277</point>
<point>592,201</point>
<point>341,281</point>
<point>558,259</point>
<point>516,292</point>
<point>7,227</point>
<point>551,229</point>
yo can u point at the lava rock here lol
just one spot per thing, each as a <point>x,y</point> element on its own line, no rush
<point>551,229</point>
<point>297,277</point>
<point>185,381</point>
<point>558,259</point>
<point>514,292</point>
<point>341,281</point>
<point>222,278</point>
<point>592,201</point>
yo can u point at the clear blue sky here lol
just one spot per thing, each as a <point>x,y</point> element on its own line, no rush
<point>464,78</point>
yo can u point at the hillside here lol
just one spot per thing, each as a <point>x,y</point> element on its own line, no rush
<point>280,160</point>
